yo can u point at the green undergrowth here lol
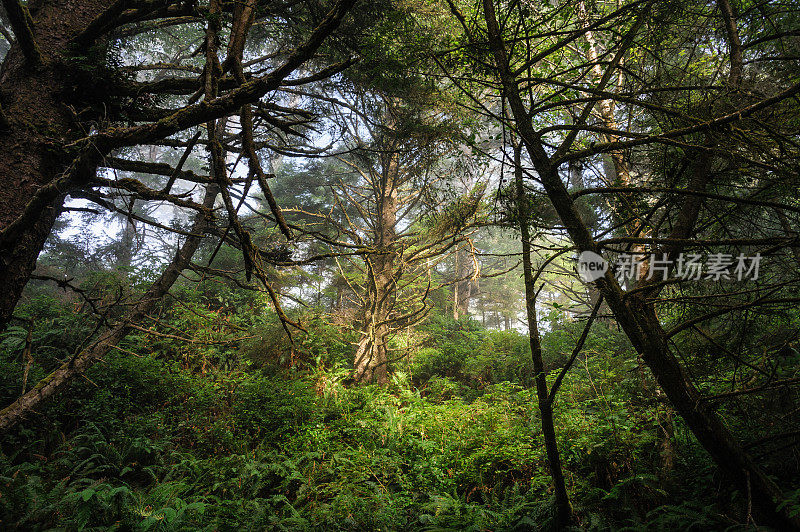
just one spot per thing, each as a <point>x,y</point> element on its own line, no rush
<point>149,446</point>
<point>160,436</point>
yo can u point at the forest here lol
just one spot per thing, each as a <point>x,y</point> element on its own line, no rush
<point>433,265</point>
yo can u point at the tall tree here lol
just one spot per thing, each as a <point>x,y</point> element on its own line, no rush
<point>563,507</point>
<point>67,105</point>
<point>383,195</point>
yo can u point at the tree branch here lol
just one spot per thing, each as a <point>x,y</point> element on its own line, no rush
<point>22,26</point>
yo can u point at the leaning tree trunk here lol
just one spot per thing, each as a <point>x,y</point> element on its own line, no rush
<point>638,319</point>
<point>59,378</point>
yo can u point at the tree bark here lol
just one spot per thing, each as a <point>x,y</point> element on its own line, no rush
<point>36,103</point>
<point>372,359</point>
<point>462,291</point>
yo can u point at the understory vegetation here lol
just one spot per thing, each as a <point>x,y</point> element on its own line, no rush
<point>225,434</point>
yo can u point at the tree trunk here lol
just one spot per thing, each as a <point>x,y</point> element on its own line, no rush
<point>127,244</point>
<point>371,359</point>
<point>38,105</point>
<point>462,290</point>
<point>563,507</point>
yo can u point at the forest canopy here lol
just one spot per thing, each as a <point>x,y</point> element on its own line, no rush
<point>402,264</point>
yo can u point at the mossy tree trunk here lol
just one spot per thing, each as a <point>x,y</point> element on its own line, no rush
<point>39,108</point>
<point>372,352</point>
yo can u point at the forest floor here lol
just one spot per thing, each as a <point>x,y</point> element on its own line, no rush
<point>452,443</point>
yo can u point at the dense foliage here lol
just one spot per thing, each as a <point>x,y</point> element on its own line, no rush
<point>227,433</point>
